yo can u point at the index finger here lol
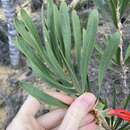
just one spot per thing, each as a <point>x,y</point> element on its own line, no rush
<point>77,111</point>
<point>31,106</point>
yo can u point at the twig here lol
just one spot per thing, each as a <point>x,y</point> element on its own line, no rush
<point>123,66</point>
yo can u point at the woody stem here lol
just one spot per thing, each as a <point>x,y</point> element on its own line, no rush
<point>122,62</point>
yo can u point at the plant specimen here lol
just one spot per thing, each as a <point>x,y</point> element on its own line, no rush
<point>63,59</point>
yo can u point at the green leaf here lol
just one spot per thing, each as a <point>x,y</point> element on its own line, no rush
<point>113,5</point>
<point>41,96</point>
<point>127,101</point>
<point>51,31</point>
<point>110,50</point>
<point>49,14</point>
<point>56,34</point>
<point>124,126</point>
<point>100,106</point>
<point>20,28</point>
<point>31,41</point>
<point>77,34</point>
<point>123,6</point>
<point>89,39</point>
<point>58,25</point>
<point>116,57</point>
<point>46,32</point>
<point>113,104</point>
<point>99,48</point>
<point>29,37</point>
<point>127,55</point>
<point>52,81</point>
<point>40,69</point>
<point>30,26</point>
<point>66,30</point>
<point>51,55</point>
<point>73,75</point>
<point>51,43</point>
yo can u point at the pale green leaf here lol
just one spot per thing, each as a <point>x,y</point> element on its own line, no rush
<point>89,39</point>
<point>110,50</point>
<point>42,96</point>
<point>123,6</point>
<point>77,34</point>
<point>66,30</point>
<point>30,25</point>
<point>41,70</point>
<point>127,55</point>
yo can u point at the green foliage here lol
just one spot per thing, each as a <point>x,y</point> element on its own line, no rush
<point>113,6</point>
<point>123,6</point>
<point>63,59</point>
<point>127,55</point>
<point>89,37</point>
<point>53,62</point>
<point>111,48</point>
<point>109,8</point>
<point>66,30</point>
<point>40,95</point>
<point>77,35</point>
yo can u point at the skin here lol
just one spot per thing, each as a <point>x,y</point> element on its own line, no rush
<point>76,117</point>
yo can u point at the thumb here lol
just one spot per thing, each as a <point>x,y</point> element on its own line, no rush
<point>77,111</point>
<point>30,107</point>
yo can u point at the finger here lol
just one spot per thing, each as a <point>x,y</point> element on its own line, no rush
<point>52,119</point>
<point>30,107</point>
<point>87,120</point>
<point>77,111</point>
<point>91,126</point>
<point>23,123</point>
<point>62,97</point>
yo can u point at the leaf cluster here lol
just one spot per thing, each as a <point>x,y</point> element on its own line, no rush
<point>64,57</point>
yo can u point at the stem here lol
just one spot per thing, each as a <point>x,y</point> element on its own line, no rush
<point>123,66</point>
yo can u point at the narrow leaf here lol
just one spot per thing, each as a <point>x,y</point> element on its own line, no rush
<point>66,30</point>
<point>107,56</point>
<point>41,96</point>
<point>77,34</point>
<point>123,6</point>
<point>40,69</point>
<point>127,55</point>
<point>113,5</point>
<point>58,26</point>
<point>30,25</point>
<point>89,39</point>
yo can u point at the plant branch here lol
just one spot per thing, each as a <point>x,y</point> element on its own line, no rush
<point>123,66</point>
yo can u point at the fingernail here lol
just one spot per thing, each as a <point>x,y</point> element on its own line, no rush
<point>87,100</point>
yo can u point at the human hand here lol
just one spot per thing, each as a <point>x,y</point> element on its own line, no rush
<point>77,117</point>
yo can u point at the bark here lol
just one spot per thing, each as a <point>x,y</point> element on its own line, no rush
<point>10,12</point>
